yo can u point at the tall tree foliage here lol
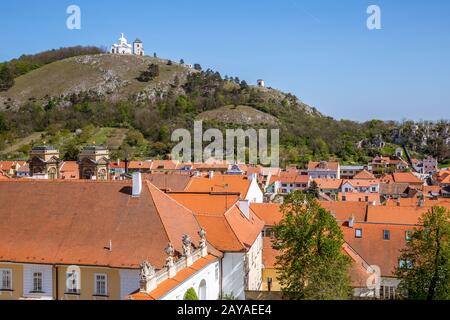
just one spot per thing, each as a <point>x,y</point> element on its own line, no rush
<point>312,264</point>
<point>6,78</point>
<point>425,262</point>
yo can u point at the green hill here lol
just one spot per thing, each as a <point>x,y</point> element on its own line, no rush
<point>85,98</point>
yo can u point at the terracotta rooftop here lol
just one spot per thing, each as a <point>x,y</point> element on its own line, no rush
<point>71,222</point>
<point>220,183</point>
<point>343,211</point>
<point>226,226</point>
<point>270,213</point>
<point>364,175</point>
<point>169,182</point>
<point>323,165</point>
<point>373,248</point>
<point>328,183</point>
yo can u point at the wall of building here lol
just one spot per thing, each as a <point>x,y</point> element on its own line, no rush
<point>17,282</point>
<point>254,258</point>
<point>87,284</point>
<point>233,275</point>
<point>210,275</point>
<point>273,274</point>
<point>254,193</point>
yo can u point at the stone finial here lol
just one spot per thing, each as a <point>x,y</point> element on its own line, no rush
<point>170,260</point>
<point>147,277</point>
<point>186,245</point>
<point>203,245</point>
<point>187,249</point>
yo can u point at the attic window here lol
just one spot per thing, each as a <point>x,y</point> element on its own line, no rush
<point>358,233</point>
<point>408,235</point>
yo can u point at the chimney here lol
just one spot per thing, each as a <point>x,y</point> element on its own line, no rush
<point>252,176</point>
<point>398,202</point>
<point>244,206</point>
<point>137,185</point>
<point>351,222</point>
<point>118,162</point>
<point>211,175</point>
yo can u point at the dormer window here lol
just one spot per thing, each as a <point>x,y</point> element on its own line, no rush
<point>386,235</point>
<point>358,233</point>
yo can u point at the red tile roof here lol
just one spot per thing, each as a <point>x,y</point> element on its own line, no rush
<point>364,175</point>
<point>373,249</point>
<point>343,211</point>
<point>270,213</point>
<point>323,165</point>
<point>220,183</point>
<point>71,222</point>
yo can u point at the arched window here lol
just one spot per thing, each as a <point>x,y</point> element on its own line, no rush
<point>202,290</point>
<point>87,174</point>
<point>52,174</point>
<point>102,174</point>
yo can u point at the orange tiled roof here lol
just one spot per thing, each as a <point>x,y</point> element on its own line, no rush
<point>169,182</point>
<point>343,211</point>
<point>206,203</point>
<point>327,165</point>
<point>402,177</point>
<point>328,184</point>
<point>373,249</point>
<point>395,215</point>
<point>414,202</point>
<point>71,222</point>
<point>362,182</point>
<point>226,227</point>
<point>270,213</point>
<point>364,175</point>
<point>168,285</point>
<point>359,197</point>
<point>220,183</point>
<point>70,170</point>
<point>164,165</point>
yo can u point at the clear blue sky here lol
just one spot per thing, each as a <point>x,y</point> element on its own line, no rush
<point>320,50</point>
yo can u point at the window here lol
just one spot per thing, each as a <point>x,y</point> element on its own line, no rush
<point>386,235</point>
<point>100,284</point>
<point>37,282</point>
<point>408,236</point>
<point>358,233</point>
<point>405,264</point>
<point>6,279</point>
<point>72,282</point>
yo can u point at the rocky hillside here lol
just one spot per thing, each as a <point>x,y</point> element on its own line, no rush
<point>98,97</point>
<point>111,77</point>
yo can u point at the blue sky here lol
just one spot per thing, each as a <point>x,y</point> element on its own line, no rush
<point>320,50</point>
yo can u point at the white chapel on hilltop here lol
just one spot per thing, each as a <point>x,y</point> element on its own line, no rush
<point>123,47</point>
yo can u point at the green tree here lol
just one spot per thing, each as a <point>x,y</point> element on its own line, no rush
<point>151,73</point>
<point>424,267</point>
<point>190,294</point>
<point>311,265</point>
<point>6,78</point>
<point>313,189</point>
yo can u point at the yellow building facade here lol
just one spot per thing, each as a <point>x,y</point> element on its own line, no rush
<point>88,283</point>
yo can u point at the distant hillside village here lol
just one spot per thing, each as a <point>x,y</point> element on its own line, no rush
<point>202,227</point>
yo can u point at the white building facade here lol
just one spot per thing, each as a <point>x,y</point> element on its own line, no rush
<point>123,47</point>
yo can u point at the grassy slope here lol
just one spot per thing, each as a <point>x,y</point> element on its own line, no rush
<point>103,73</point>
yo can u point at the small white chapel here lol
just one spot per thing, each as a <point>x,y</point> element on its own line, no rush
<point>123,47</point>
